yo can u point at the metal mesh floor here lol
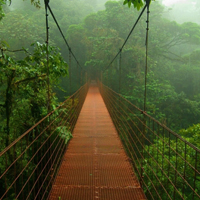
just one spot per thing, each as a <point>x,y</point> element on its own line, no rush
<point>95,165</point>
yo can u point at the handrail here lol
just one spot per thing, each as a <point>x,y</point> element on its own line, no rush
<point>167,165</point>
<point>29,164</point>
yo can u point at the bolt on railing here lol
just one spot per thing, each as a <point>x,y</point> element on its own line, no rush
<point>167,166</point>
<point>29,164</point>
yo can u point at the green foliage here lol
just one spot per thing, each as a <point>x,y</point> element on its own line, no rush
<point>2,2</point>
<point>64,133</point>
<point>192,134</point>
<point>23,25</point>
<point>173,62</point>
<point>23,89</point>
<point>164,167</point>
<point>21,30</point>
<point>36,3</point>
<point>136,3</point>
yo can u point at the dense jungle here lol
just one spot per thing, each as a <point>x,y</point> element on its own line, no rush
<point>95,30</point>
<point>95,34</point>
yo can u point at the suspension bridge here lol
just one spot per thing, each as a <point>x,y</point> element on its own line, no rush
<point>118,151</point>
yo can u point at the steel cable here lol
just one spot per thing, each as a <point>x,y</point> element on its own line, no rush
<point>131,31</point>
<point>111,100</point>
<point>55,20</point>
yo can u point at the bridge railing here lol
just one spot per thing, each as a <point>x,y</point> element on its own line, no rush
<point>29,164</point>
<point>167,166</point>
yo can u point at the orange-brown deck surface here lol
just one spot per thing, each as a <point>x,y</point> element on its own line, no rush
<point>95,165</point>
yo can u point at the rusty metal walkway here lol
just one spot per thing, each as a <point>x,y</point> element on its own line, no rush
<point>95,165</point>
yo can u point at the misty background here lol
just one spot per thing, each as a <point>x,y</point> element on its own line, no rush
<point>34,82</point>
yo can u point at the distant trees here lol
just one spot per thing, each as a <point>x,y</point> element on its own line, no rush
<point>173,66</point>
<point>173,52</point>
<point>173,92</point>
<point>3,2</point>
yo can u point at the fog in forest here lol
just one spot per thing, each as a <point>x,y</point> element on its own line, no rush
<point>147,67</point>
<point>95,31</point>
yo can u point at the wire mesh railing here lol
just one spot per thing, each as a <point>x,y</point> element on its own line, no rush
<point>167,166</point>
<point>29,164</point>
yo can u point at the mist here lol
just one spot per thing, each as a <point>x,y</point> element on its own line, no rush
<point>183,11</point>
<point>148,62</point>
<point>96,30</point>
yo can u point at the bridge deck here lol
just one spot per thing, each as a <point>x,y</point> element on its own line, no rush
<point>95,165</point>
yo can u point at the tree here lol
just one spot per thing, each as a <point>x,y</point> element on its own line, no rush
<point>36,3</point>
<point>192,134</point>
<point>103,34</point>
<point>23,89</point>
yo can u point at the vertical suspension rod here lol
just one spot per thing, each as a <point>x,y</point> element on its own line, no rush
<point>146,65</point>
<point>78,74</point>
<point>47,52</point>
<point>145,93</point>
<point>70,72</point>
<point>120,70</point>
<point>101,81</point>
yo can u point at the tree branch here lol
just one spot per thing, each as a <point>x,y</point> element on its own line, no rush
<point>17,50</point>
<point>174,55</point>
<point>162,55</point>
<point>177,40</point>
<point>29,79</point>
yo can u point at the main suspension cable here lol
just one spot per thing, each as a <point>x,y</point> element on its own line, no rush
<point>131,31</point>
<point>63,36</point>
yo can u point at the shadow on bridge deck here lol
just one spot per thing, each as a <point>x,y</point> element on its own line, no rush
<point>95,165</point>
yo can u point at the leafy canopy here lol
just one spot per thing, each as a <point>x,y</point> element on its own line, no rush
<point>136,3</point>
